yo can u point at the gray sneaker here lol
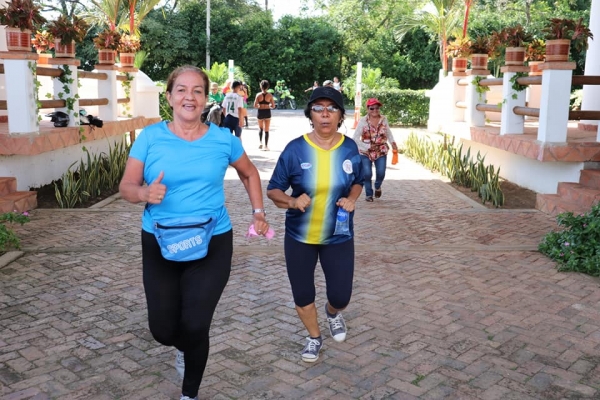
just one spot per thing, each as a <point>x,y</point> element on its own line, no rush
<point>180,363</point>
<point>337,327</point>
<point>311,350</point>
<point>188,398</point>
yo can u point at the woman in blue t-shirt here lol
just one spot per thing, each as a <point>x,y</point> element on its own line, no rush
<point>324,171</point>
<point>183,163</point>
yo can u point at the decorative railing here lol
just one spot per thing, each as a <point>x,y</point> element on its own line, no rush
<point>23,102</point>
<point>551,90</point>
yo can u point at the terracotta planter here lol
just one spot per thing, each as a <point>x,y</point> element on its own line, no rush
<point>533,68</point>
<point>44,57</point>
<point>106,56</point>
<point>459,64</point>
<point>64,50</point>
<point>479,61</point>
<point>127,59</point>
<point>557,50</point>
<point>514,56</point>
<point>18,40</point>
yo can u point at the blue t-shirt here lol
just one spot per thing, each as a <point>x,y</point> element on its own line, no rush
<point>194,172</point>
<point>325,176</point>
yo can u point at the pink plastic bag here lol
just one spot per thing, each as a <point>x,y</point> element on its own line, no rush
<point>252,232</point>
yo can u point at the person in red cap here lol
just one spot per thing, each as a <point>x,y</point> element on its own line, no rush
<point>372,135</point>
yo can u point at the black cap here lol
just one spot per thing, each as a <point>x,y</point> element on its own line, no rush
<point>330,93</point>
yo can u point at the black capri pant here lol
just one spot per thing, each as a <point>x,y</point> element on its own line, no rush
<point>337,262</point>
<point>182,297</point>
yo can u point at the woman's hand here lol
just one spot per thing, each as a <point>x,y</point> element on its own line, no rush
<point>155,192</point>
<point>300,203</point>
<point>346,203</point>
<point>261,226</point>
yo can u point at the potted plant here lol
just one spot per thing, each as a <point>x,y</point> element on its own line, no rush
<point>67,32</point>
<point>107,43</point>
<point>43,41</point>
<point>459,49</point>
<point>128,46</point>
<point>563,33</point>
<point>482,48</point>
<point>534,55</point>
<point>21,17</point>
<point>515,38</point>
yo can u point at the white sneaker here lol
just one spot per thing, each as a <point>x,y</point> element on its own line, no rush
<point>188,398</point>
<point>180,365</point>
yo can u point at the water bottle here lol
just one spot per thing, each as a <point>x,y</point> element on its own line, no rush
<point>342,222</point>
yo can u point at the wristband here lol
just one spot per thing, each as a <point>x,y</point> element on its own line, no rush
<point>259,210</point>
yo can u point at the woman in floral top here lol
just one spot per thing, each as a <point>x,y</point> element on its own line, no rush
<point>372,135</point>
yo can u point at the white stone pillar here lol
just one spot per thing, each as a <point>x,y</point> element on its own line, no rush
<point>21,92</point>
<point>591,93</point>
<point>67,88</point>
<point>474,117</point>
<point>108,89</point>
<point>511,122</point>
<point>458,94</point>
<point>554,104</point>
<point>131,109</point>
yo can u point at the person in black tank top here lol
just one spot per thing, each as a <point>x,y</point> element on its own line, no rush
<point>264,102</point>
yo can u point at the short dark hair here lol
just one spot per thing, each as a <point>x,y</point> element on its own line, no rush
<point>264,84</point>
<point>235,84</point>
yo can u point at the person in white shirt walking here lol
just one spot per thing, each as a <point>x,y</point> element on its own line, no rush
<point>233,105</point>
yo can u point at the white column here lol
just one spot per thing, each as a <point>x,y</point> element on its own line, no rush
<point>554,104</point>
<point>21,90</point>
<point>473,117</point>
<point>591,93</point>
<point>108,89</point>
<point>458,94</point>
<point>357,94</point>
<point>68,91</point>
<point>230,70</point>
<point>130,109</point>
<point>511,122</point>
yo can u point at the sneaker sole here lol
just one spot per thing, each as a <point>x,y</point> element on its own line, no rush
<point>338,340</point>
<point>310,360</point>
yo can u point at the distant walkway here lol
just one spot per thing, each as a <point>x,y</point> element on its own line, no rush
<point>451,301</point>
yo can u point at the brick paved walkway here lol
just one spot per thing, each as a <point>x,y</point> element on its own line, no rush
<point>451,301</point>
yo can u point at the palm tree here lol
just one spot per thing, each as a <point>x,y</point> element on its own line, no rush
<point>440,18</point>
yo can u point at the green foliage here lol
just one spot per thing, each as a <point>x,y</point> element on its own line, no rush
<point>577,246</point>
<point>401,107</point>
<point>515,85</point>
<point>449,160</point>
<point>371,79</point>
<point>97,174</point>
<point>22,14</point>
<point>8,236</point>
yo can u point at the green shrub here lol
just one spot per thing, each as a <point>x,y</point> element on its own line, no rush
<point>577,246</point>
<point>448,160</point>
<point>98,174</point>
<point>8,237</point>
<point>401,107</point>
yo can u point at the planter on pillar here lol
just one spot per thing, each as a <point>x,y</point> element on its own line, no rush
<point>479,61</point>
<point>534,68</point>
<point>64,50</point>
<point>459,64</point>
<point>514,56</point>
<point>17,39</point>
<point>558,50</point>
<point>127,59</point>
<point>106,56</point>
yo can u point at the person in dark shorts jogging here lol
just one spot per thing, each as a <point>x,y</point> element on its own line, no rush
<point>323,168</point>
<point>264,102</point>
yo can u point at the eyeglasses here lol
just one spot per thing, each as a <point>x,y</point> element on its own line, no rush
<point>319,109</point>
<point>373,108</point>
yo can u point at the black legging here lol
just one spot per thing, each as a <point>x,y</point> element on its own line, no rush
<point>337,262</point>
<point>182,297</point>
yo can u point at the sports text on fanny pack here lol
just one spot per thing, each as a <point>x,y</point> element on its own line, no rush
<point>185,244</point>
